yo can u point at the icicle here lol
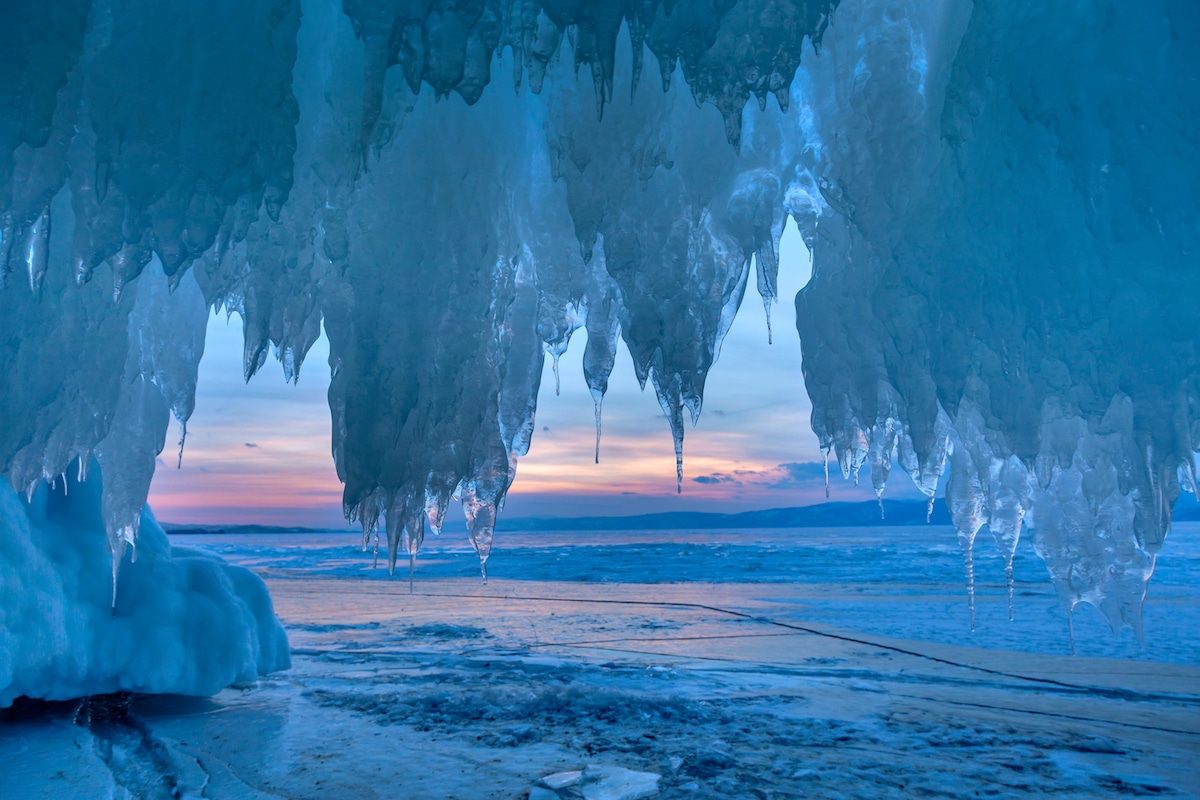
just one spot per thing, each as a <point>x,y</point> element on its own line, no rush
<point>480,516</point>
<point>38,251</point>
<point>929,510</point>
<point>116,568</point>
<point>599,398</point>
<point>969,566</point>
<point>1071,627</point>
<point>767,308</point>
<point>395,525</point>
<point>1139,631</point>
<point>1008,577</point>
<point>678,464</point>
<point>436,504</point>
<point>414,536</point>
<point>557,379</point>
<point>966,502</point>
<point>368,515</point>
<point>117,542</point>
<point>182,439</point>
<point>825,453</point>
<point>879,497</point>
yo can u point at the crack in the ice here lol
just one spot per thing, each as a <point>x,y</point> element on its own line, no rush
<point>1055,714</point>
<point>230,775</point>
<point>661,640</point>
<point>137,761</point>
<point>1091,690</point>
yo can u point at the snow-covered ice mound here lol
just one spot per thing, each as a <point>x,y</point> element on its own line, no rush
<point>183,622</point>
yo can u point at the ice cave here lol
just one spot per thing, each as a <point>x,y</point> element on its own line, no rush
<point>995,205</point>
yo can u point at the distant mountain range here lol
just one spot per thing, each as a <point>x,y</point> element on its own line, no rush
<point>821,515</point>
<point>173,528</point>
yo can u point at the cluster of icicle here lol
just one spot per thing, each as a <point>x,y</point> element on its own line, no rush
<point>1000,202</point>
<point>286,171</point>
<point>1005,273</point>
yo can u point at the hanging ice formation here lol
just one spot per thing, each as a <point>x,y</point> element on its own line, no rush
<point>1000,198</point>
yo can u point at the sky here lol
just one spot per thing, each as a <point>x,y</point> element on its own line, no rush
<point>259,453</point>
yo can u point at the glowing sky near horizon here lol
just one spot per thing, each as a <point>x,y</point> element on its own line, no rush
<point>260,453</point>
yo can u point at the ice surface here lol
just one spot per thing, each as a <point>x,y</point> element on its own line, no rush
<point>899,581</point>
<point>720,706</point>
<point>183,621</point>
<point>1000,201</point>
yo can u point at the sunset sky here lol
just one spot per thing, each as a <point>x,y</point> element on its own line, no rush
<point>260,453</point>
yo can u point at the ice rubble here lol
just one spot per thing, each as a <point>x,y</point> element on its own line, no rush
<point>1001,201</point>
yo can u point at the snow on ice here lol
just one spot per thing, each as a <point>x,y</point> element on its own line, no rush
<point>182,621</point>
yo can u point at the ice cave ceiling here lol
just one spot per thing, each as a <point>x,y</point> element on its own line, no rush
<point>1002,200</point>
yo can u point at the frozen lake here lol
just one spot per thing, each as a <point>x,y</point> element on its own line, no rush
<point>731,664</point>
<point>902,582</point>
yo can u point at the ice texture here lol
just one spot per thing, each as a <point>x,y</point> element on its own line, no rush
<point>184,622</point>
<point>1009,239</point>
<point>1000,200</point>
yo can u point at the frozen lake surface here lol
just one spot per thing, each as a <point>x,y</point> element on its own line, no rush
<point>903,582</point>
<point>747,664</point>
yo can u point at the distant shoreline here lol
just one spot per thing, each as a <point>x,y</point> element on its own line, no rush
<point>897,513</point>
<point>822,515</point>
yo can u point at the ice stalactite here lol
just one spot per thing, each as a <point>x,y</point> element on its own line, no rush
<point>1011,499</point>
<point>161,171</point>
<point>119,163</point>
<point>680,218</point>
<point>966,499</point>
<point>39,88</point>
<point>166,342</point>
<point>1006,252</point>
<point>130,365</point>
<point>603,322</point>
<point>283,222</point>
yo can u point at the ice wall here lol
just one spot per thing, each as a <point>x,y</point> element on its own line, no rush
<point>1000,199</point>
<point>1011,234</point>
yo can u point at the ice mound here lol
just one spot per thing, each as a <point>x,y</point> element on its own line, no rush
<point>183,622</point>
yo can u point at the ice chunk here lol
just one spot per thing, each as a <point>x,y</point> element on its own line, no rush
<point>618,783</point>
<point>561,780</point>
<point>183,622</point>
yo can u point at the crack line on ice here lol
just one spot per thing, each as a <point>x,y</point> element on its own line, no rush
<point>1076,717</point>
<point>1121,694</point>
